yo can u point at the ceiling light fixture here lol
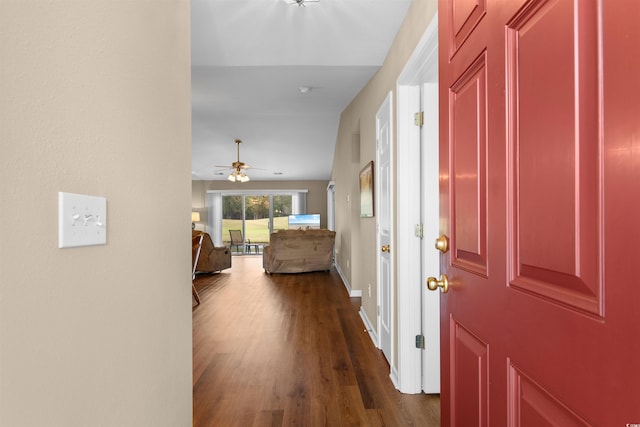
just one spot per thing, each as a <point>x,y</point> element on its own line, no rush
<point>238,174</point>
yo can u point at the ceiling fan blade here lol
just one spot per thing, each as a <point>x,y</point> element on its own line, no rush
<point>231,167</point>
<point>237,165</point>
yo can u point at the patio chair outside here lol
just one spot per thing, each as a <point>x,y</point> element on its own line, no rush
<point>237,240</point>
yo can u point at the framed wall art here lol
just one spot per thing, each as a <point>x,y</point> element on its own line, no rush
<point>366,191</point>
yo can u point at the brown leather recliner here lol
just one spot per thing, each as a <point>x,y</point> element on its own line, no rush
<point>212,258</point>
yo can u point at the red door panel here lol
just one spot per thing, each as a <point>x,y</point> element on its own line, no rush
<point>464,16</point>
<point>467,103</point>
<point>530,405</point>
<point>540,196</point>
<point>469,377</point>
<point>555,232</point>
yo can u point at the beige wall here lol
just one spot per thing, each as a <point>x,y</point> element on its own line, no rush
<point>95,99</point>
<point>316,197</point>
<point>356,145</point>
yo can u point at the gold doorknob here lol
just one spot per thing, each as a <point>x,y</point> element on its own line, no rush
<point>443,283</point>
<point>386,248</point>
<point>442,244</point>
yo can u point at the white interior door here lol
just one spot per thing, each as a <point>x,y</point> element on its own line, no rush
<point>430,220</point>
<point>382,178</point>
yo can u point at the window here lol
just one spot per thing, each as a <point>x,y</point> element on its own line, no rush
<point>252,215</point>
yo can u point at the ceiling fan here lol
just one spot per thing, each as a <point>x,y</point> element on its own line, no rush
<point>238,167</point>
<point>301,3</point>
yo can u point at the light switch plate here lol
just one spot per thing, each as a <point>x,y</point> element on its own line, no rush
<point>82,220</point>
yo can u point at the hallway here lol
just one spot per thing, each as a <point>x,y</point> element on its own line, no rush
<point>290,350</point>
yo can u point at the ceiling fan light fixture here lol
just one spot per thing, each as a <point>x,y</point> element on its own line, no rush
<point>237,176</point>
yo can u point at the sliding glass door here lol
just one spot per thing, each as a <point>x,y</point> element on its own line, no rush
<point>282,208</point>
<point>233,222</point>
<point>256,222</point>
<point>248,220</point>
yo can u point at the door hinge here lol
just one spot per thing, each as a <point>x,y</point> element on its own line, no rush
<point>418,118</point>
<point>419,231</point>
<point>420,341</point>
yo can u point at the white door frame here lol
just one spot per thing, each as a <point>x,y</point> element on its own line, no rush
<point>422,67</point>
<point>331,206</point>
<point>331,213</point>
<point>430,196</point>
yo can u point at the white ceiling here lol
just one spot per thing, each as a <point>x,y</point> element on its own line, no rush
<point>249,60</point>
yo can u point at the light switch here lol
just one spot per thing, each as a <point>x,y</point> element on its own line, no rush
<point>82,220</point>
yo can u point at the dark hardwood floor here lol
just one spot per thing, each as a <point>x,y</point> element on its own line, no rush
<point>291,350</point>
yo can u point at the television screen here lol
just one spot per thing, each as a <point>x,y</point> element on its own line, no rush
<point>304,221</point>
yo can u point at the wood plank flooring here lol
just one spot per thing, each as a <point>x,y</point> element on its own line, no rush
<point>291,350</point>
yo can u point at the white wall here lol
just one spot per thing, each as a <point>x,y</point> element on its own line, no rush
<point>95,99</point>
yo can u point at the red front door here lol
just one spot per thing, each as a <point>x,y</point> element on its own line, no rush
<point>540,198</point>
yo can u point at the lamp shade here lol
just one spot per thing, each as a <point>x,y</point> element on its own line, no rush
<point>195,216</point>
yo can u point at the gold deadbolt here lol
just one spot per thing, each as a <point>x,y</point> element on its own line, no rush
<point>386,248</point>
<point>443,283</point>
<point>442,244</point>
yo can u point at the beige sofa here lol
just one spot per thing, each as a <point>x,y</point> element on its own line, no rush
<point>299,251</point>
<point>212,258</point>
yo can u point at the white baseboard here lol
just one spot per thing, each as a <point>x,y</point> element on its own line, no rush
<point>394,377</point>
<point>352,293</point>
<point>370,330</point>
